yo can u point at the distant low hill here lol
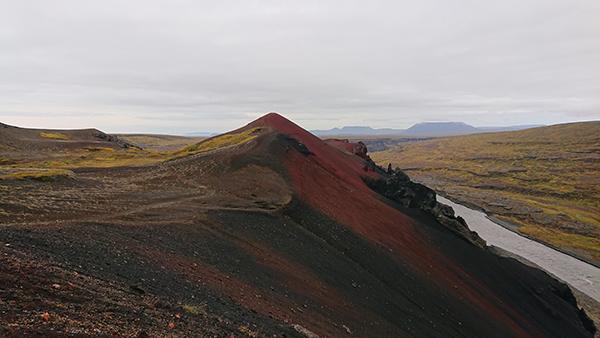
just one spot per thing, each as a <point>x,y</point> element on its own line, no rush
<point>425,129</point>
<point>509,128</point>
<point>157,142</point>
<point>543,180</point>
<point>27,139</point>
<point>48,153</point>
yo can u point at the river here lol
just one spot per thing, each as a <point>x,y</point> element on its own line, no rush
<point>579,274</point>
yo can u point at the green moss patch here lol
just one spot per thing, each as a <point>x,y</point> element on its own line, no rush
<point>222,141</point>
<point>54,136</point>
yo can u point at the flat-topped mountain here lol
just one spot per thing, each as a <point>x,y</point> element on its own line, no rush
<point>441,129</point>
<point>425,129</point>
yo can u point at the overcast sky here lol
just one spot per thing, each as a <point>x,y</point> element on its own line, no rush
<point>182,66</point>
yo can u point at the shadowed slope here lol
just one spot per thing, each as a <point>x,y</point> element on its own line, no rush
<point>328,182</point>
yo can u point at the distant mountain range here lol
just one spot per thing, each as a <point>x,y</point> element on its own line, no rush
<point>430,129</point>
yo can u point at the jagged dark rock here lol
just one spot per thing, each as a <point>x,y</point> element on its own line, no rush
<point>112,138</point>
<point>398,187</point>
<point>360,149</point>
<point>302,148</point>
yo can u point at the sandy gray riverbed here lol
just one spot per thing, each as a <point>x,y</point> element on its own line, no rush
<point>579,274</point>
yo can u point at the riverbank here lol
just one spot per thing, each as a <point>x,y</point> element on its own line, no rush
<point>590,305</point>
<point>515,228</point>
<point>582,278</point>
<point>541,179</point>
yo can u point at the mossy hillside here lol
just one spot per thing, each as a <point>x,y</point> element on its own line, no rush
<point>106,157</point>
<point>160,142</point>
<point>222,141</point>
<point>547,177</point>
<point>98,157</point>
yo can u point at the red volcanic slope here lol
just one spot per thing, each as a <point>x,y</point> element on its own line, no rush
<point>340,193</point>
<point>345,166</point>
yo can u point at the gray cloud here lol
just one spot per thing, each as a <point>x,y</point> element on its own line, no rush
<point>178,66</point>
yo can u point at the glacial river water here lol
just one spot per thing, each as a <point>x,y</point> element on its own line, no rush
<point>580,275</point>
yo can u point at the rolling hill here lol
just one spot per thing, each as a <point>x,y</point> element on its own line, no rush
<point>14,139</point>
<point>157,142</point>
<point>542,182</point>
<point>263,231</point>
<point>46,154</point>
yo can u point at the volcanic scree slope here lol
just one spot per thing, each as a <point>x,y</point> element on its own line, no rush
<point>274,231</point>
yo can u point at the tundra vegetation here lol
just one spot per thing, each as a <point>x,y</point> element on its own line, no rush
<point>54,135</point>
<point>156,142</point>
<point>149,149</point>
<point>545,181</point>
<point>225,140</point>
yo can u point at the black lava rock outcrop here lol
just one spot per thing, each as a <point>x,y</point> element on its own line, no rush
<point>398,187</point>
<point>113,139</point>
